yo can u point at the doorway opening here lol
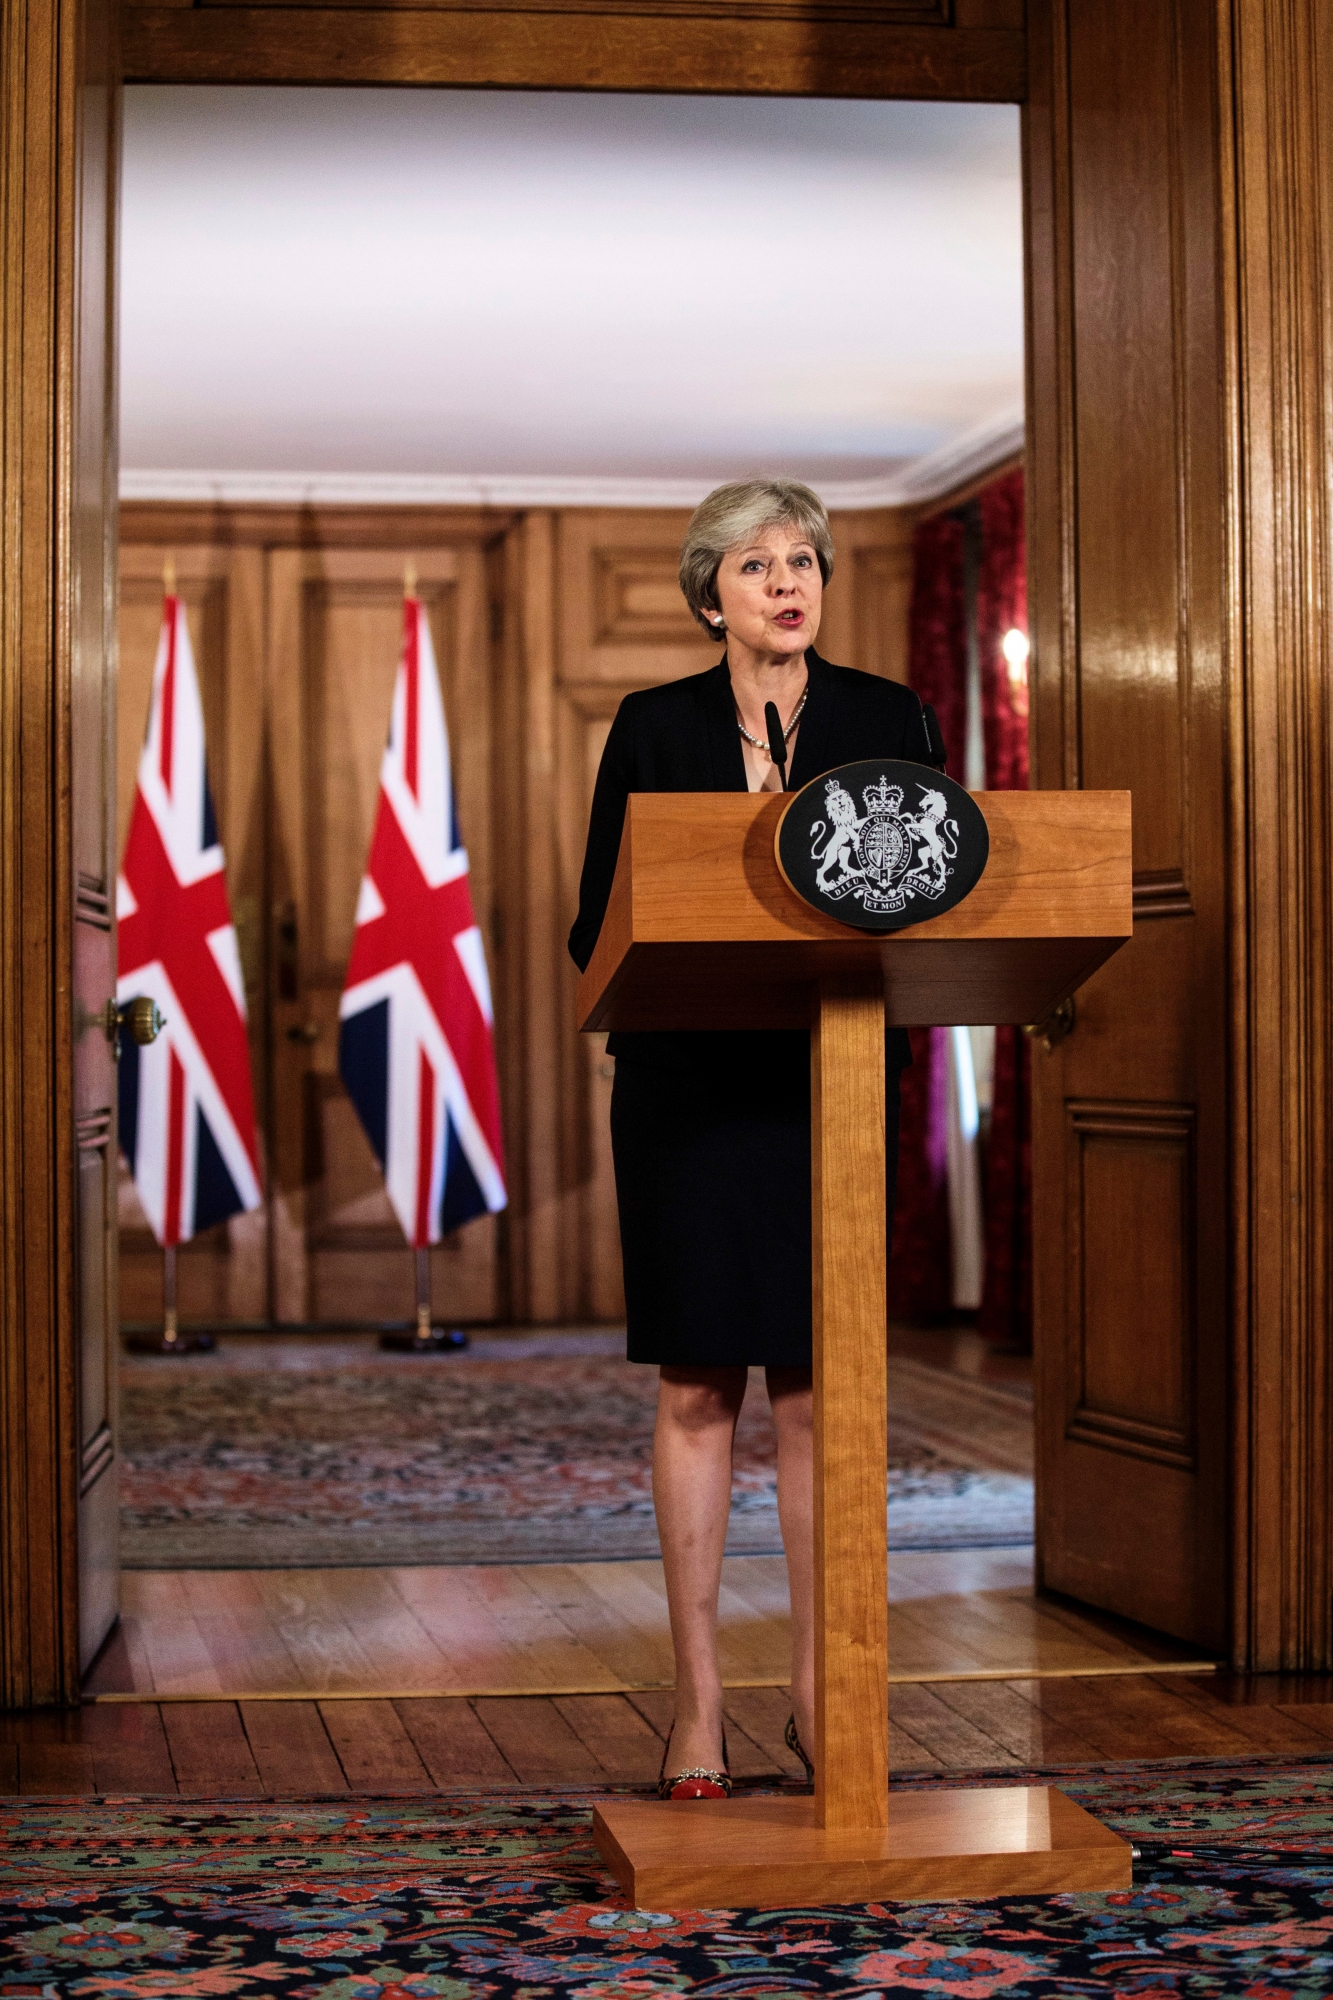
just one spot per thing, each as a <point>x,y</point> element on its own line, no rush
<point>511,342</point>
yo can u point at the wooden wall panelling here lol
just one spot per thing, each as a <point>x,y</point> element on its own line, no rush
<point>530,1004</point>
<point>865,611</point>
<point>269,525</point>
<point>58,139</point>
<point>1277,70</point>
<point>852,48</point>
<point>1126,550</point>
<point>593,1278</point>
<point>224,1273</point>
<point>621,623</point>
<point>620,616</point>
<point>335,619</point>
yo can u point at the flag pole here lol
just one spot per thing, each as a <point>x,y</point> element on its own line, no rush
<point>423,1297</point>
<point>424,1337</point>
<point>169,577</point>
<point>169,1321</point>
<point>171,1340</point>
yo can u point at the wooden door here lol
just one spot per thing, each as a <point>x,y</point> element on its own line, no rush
<point>1126,556</point>
<point>92,772</point>
<point>224,1273</point>
<point>335,628</point>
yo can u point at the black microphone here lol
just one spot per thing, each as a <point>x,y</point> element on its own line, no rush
<point>777,742</point>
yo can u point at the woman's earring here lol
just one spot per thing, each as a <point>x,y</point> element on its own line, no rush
<point>719,623</point>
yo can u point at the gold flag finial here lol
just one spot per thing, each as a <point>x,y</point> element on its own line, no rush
<point>169,576</point>
<point>409,578</point>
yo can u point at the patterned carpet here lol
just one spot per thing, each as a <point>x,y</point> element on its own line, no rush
<point>466,1896</point>
<point>499,1456</point>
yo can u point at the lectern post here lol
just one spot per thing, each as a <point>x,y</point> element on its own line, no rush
<point>851,1746</point>
<point>702,932</point>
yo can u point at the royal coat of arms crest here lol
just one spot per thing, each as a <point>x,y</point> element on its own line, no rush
<point>883,844</point>
<point>885,855</point>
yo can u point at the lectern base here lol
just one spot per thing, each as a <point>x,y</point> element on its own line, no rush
<point>767,1853</point>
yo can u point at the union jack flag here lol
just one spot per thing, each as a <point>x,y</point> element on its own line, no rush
<point>187,1122</point>
<point>416,1050</point>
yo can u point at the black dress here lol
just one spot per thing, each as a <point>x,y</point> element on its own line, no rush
<point>710,1132</point>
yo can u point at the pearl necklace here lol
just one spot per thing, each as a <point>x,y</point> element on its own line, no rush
<point>758,742</point>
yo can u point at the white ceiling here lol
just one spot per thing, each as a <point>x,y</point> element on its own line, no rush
<point>420,291</point>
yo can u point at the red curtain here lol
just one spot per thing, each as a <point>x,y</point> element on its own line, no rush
<point>937,629</point>
<point>1002,607</point>
<point>919,1270</point>
<point>1006,1303</point>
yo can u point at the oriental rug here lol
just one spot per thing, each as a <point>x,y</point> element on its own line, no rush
<point>460,1896</point>
<point>495,1457</point>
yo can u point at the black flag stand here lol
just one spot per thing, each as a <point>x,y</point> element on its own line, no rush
<point>425,1337</point>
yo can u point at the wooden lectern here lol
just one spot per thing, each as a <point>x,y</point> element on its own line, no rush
<point>701,931</point>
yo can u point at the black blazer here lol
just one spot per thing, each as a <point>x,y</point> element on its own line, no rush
<point>682,737</point>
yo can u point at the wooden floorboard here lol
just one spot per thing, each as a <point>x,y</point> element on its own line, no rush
<point>427,1743</point>
<point>956,1742</point>
<point>453,1744</point>
<point>1268,1729</point>
<point>534,1675</point>
<point>906,1754</point>
<point>373,1747</point>
<point>626,1746</point>
<point>130,1750</point>
<point>209,1751</point>
<point>291,1747</point>
<point>42,1725</point>
<point>762,1713</point>
<point>537,1742</point>
<point>1126,1719</point>
<point>1018,1728</point>
<point>618,1619</point>
<point>569,1628</point>
<point>63,1770</point>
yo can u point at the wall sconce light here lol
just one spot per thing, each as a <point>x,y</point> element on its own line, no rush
<point>1016,648</point>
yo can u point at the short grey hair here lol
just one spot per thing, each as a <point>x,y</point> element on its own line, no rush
<point>733,515</point>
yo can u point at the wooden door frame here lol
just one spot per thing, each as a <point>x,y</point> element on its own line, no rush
<point>1275,81</point>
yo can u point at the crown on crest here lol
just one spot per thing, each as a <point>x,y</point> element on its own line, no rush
<point>882,797</point>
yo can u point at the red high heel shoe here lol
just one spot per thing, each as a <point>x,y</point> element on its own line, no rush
<point>697,1783</point>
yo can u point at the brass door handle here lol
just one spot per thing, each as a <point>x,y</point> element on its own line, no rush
<point>140,1015</point>
<point>1057,1025</point>
<point>304,1031</point>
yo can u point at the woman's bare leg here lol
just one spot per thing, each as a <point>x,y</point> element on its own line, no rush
<point>792,1398</point>
<point>697,1410</point>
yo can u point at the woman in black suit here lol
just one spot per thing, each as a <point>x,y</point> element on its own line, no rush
<point>710,1132</point>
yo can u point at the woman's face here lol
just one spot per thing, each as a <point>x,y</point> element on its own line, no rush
<point>771,592</point>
